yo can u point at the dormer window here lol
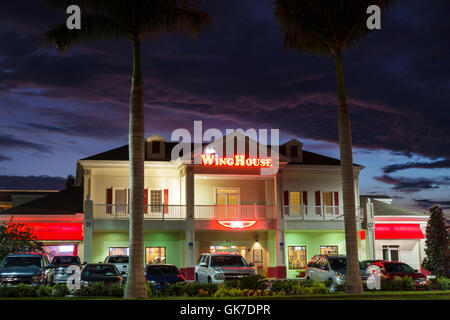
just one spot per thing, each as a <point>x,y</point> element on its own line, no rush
<point>156,147</point>
<point>294,151</point>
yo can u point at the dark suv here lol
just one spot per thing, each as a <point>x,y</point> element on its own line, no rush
<point>28,268</point>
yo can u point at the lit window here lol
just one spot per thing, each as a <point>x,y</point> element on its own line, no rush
<point>155,255</point>
<point>327,202</point>
<point>296,202</point>
<point>228,249</point>
<point>328,249</point>
<point>118,251</point>
<point>297,257</point>
<point>391,253</point>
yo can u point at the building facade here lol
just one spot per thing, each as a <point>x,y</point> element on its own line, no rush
<point>277,221</point>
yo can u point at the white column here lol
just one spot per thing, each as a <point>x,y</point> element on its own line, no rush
<point>280,229</point>
<point>370,233</point>
<point>190,216</point>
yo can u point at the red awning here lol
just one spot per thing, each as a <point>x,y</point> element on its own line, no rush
<point>396,231</point>
<point>57,231</point>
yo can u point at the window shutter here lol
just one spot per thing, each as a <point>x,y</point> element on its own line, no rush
<point>109,193</point>
<point>318,204</point>
<point>286,202</point>
<point>145,200</point>
<point>166,201</point>
<point>336,203</point>
<point>305,201</point>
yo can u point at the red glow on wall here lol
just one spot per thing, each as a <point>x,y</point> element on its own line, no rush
<point>56,231</point>
<point>236,161</point>
<point>237,224</point>
<point>396,231</point>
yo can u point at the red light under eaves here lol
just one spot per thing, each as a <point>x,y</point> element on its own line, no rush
<point>57,231</point>
<point>237,224</point>
<point>396,231</point>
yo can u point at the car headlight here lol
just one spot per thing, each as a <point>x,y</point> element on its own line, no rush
<point>219,276</point>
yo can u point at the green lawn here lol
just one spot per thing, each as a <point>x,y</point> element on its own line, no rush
<point>379,295</point>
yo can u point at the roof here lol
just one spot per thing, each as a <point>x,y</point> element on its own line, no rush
<point>384,209</point>
<point>5,195</point>
<point>122,154</point>
<point>69,201</point>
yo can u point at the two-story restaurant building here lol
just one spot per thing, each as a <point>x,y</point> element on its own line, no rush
<point>276,221</point>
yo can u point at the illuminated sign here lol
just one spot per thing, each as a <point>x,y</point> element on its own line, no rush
<point>237,224</point>
<point>236,161</point>
<point>56,231</point>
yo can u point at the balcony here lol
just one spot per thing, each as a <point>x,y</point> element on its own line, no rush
<point>151,212</point>
<point>178,212</point>
<point>318,213</point>
<point>234,212</point>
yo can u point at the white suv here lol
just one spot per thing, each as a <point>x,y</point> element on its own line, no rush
<point>218,267</point>
<point>121,262</point>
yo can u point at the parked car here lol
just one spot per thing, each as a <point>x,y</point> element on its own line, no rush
<point>331,268</point>
<point>391,269</point>
<point>58,268</point>
<point>218,267</point>
<point>28,268</point>
<point>100,272</point>
<point>121,262</point>
<point>367,263</point>
<point>161,275</point>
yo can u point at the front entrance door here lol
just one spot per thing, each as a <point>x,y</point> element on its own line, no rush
<point>227,201</point>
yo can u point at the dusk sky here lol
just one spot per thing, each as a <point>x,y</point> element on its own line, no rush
<point>56,109</point>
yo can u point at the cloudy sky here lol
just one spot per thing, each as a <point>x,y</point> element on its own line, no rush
<point>55,109</point>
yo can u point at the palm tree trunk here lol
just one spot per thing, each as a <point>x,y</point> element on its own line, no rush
<point>136,286</point>
<point>353,281</point>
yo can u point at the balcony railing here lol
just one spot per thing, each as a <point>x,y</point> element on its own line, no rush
<point>151,212</point>
<point>178,212</point>
<point>318,213</point>
<point>234,212</point>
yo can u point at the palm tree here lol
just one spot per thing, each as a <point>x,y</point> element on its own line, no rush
<point>132,20</point>
<point>327,27</point>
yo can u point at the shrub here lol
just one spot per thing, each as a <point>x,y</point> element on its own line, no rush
<point>25,290</point>
<point>285,286</point>
<point>7,292</point>
<point>60,290</point>
<point>113,291</point>
<point>190,290</point>
<point>21,290</point>
<point>398,284</point>
<point>253,282</point>
<point>295,287</point>
<point>223,291</point>
<point>440,283</point>
<point>96,289</point>
<point>44,291</point>
<point>193,289</point>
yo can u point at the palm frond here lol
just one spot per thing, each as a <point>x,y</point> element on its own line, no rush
<point>324,26</point>
<point>93,27</point>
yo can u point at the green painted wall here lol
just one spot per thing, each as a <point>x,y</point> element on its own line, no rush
<point>313,240</point>
<point>172,241</point>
